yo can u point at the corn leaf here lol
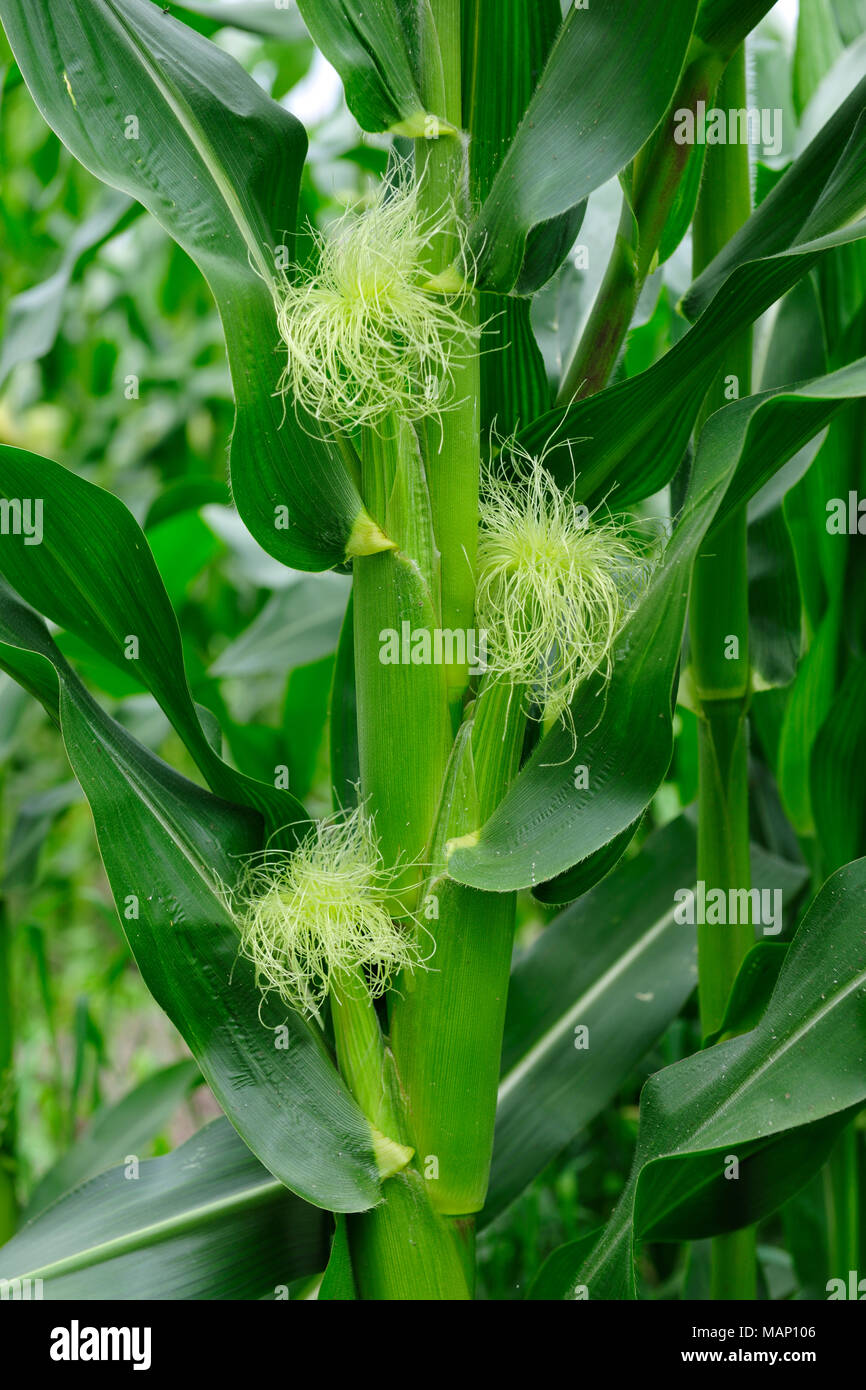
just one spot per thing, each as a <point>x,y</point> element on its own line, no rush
<point>577,134</point>
<point>205,1222</point>
<point>775,1097</point>
<point>824,189</point>
<point>368,46</point>
<point>723,24</point>
<point>628,441</point>
<point>94,574</point>
<point>634,435</point>
<point>171,850</point>
<point>615,963</point>
<point>116,1131</point>
<point>155,110</point>
<point>755,982</point>
<point>549,821</point>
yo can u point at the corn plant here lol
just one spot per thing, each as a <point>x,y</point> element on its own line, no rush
<point>550,580</point>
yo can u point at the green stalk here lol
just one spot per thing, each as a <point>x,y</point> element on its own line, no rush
<point>719,619</point>
<point>452,454</point>
<point>842,1204</point>
<point>8,1146</point>
<point>447,1022</point>
<point>368,1069</point>
<point>8,1204</point>
<point>655,178</point>
<point>403,1251</point>
<point>404,733</point>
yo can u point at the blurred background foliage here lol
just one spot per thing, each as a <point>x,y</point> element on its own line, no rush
<point>112,361</point>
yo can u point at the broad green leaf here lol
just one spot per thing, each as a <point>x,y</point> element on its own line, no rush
<point>205,1222</point>
<point>116,1132</point>
<point>615,963</point>
<point>171,852</point>
<point>696,1204</point>
<point>218,164</point>
<point>723,24</point>
<point>824,189</point>
<point>369,45</point>
<point>549,821</point>
<point>775,1097</point>
<point>578,134</point>
<point>299,624</point>
<point>257,16</point>
<point>572,884</point>
<point>32,318</point>
<point>93,573</point>
<point>781,422</point>
<point>628,441</point>
<point>632,437</point>
<point>756,979</point>
<point>836,772</point>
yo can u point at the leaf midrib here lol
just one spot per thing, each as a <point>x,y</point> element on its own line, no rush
<point>811,1021</point>
<point>203,147</point>
<point>157,1231</point>
<point>590,996</point>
